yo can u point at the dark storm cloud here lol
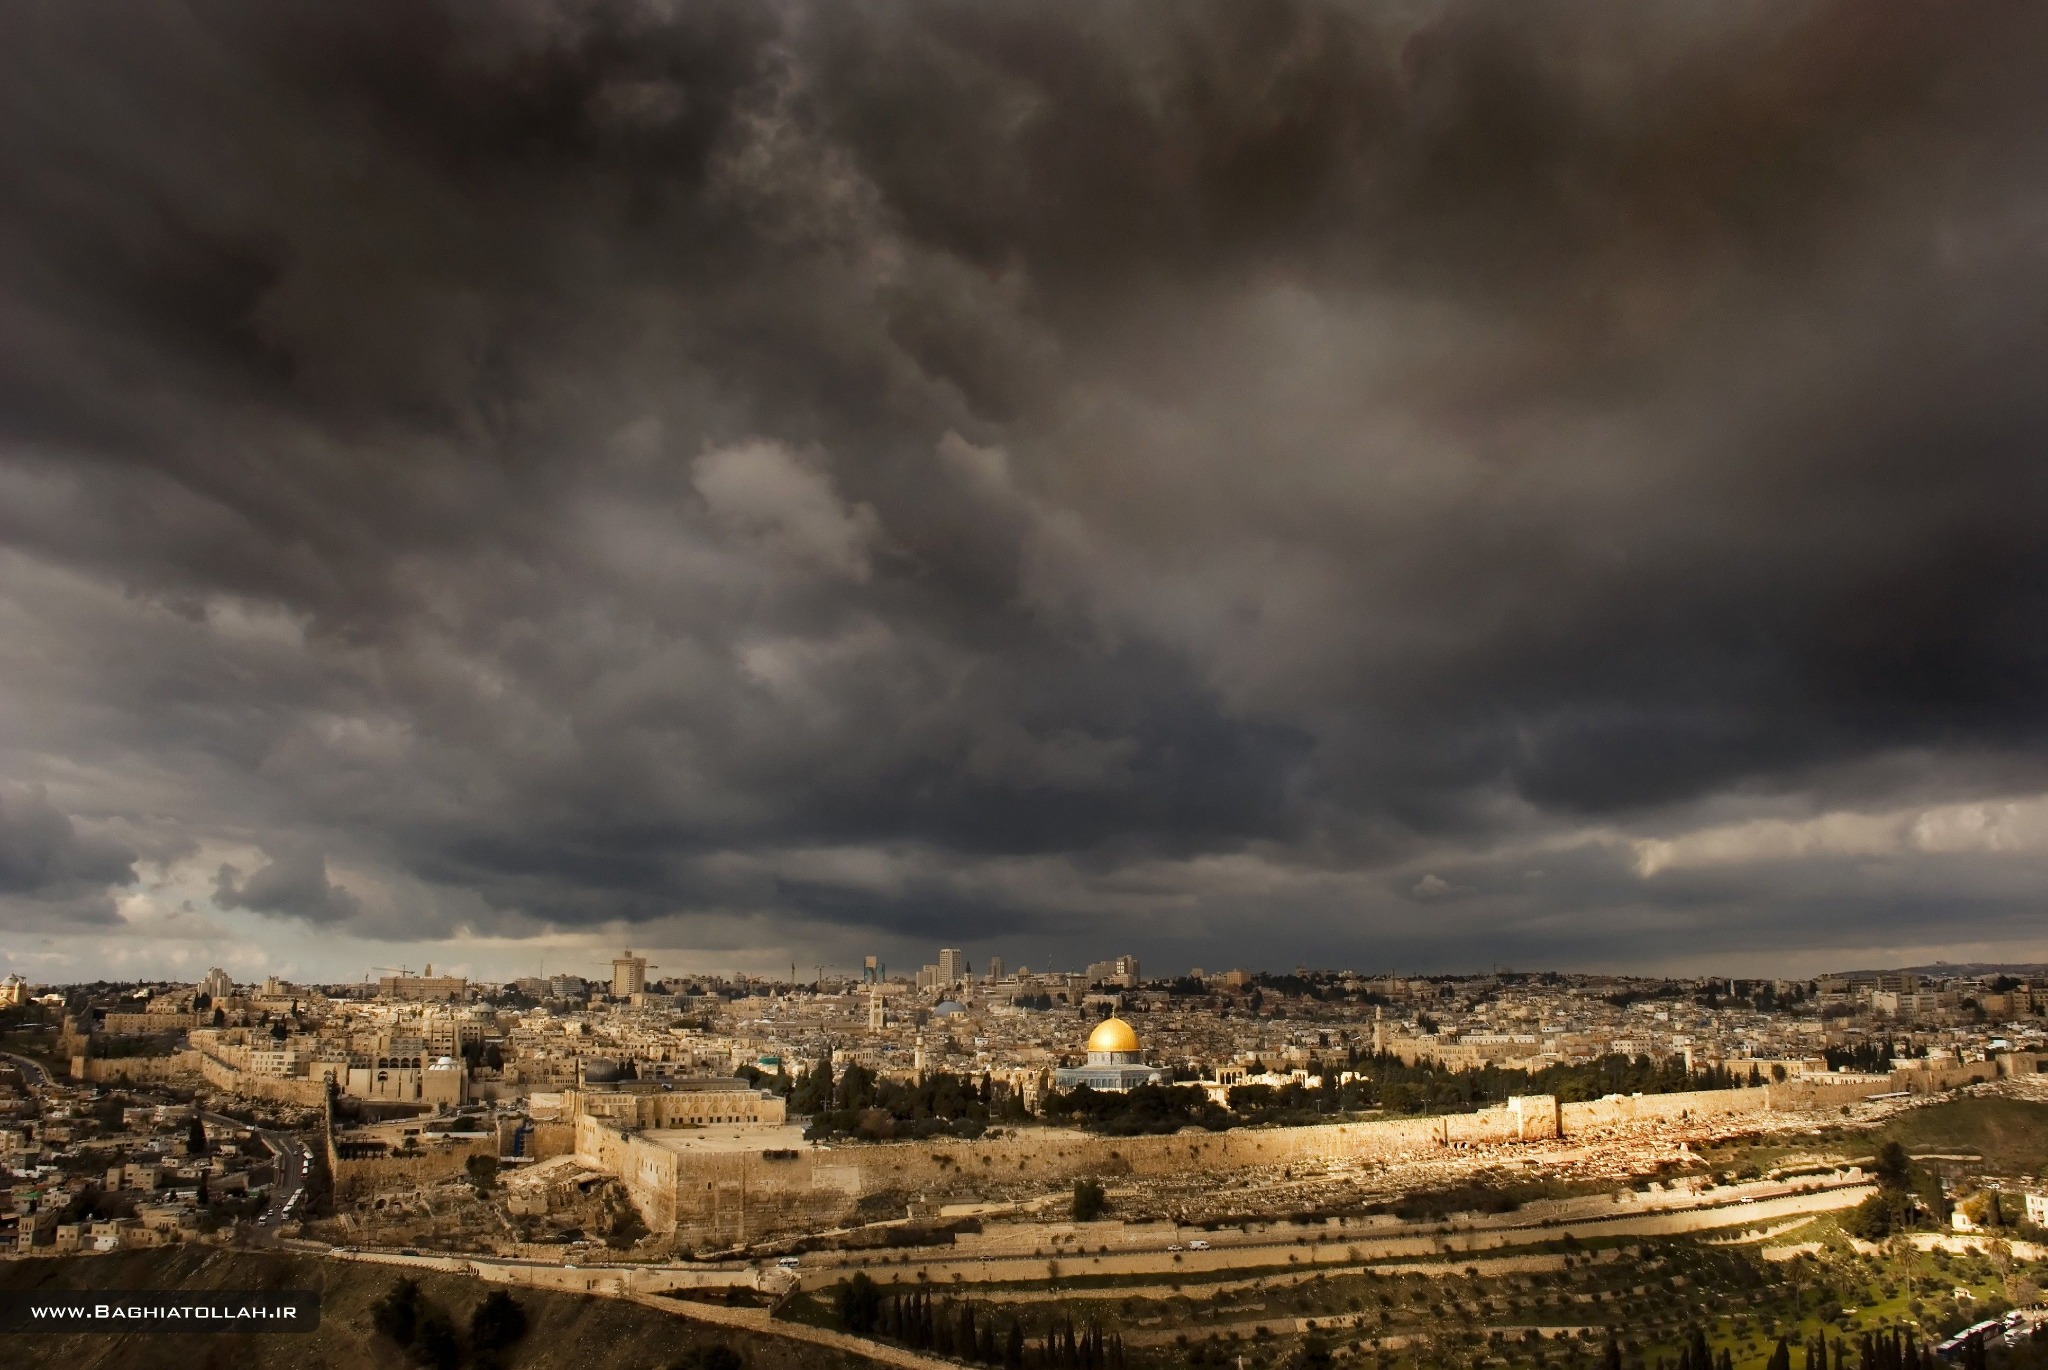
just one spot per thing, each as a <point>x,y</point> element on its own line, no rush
<point>51,874</point>
<point>975,467</point>
<point>294,884</point>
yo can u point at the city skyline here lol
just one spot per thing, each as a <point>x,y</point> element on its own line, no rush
<point>1397,487</point>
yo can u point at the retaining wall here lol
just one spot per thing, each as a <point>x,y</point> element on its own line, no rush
<point>439,1161</point>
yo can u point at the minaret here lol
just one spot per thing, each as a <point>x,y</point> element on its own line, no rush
<point>917,1059</point>
<point>1379,1031</point>
<point>875,1009</point>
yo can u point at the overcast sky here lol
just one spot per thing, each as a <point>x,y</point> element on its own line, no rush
<point>1413,486</point>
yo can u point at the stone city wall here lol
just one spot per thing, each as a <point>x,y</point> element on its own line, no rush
<point>439,1160</point>
<point>733,1196</point>
<point>101,1070</point>
<point>276,1089</point>
<point>1802,1094</point>
<point>1936,1077</point>
<point>117,1024</point>
<point>724,1197</point>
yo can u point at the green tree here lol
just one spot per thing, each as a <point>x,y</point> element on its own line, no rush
<point>483,1172</point>
<point>859,1304</point>
<point>416,1327</point>
<point>1089,1200</point>
<point>717,1356</point>
<point>396,1316</point>
<point>1894,1167</point>
<point>195,1137</point>
<point>495,1326</point>
<point>434,1344</point>
<point>813,1092</point>
<point>1313,1355</point>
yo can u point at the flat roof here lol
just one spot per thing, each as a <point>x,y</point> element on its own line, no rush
<point>727,1137</point>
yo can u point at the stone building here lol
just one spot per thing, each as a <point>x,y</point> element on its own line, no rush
<point>1114,1061</point>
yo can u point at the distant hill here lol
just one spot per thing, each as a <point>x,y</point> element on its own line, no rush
<point>566,1331</point>
<point>2021,969</point>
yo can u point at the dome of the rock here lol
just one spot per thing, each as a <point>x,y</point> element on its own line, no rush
<point>1112,1034</point>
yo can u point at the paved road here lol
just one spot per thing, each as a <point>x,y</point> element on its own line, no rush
<point>294,1162</point>
<point>294,1158</point>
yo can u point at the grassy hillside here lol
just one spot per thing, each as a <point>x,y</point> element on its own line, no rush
<point>2010,1134</point>
<point>567,1331</point>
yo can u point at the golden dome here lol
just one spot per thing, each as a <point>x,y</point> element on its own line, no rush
<point>1112,1034</point>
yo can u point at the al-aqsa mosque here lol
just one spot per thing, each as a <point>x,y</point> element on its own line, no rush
<point>1114,1061</point>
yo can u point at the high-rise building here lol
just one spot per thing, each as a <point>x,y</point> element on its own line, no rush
<point>952,966</point>
<point>1123,971</point>
<point>217,985</point>
<point>995,969</point>
<point>629,974</point>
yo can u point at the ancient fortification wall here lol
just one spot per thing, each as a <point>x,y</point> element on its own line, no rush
<point>221,1075</point>
<point>439,1161</point>
<point>101,1070</point>
<point>739,1196</point>
<point>714,1197</point>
